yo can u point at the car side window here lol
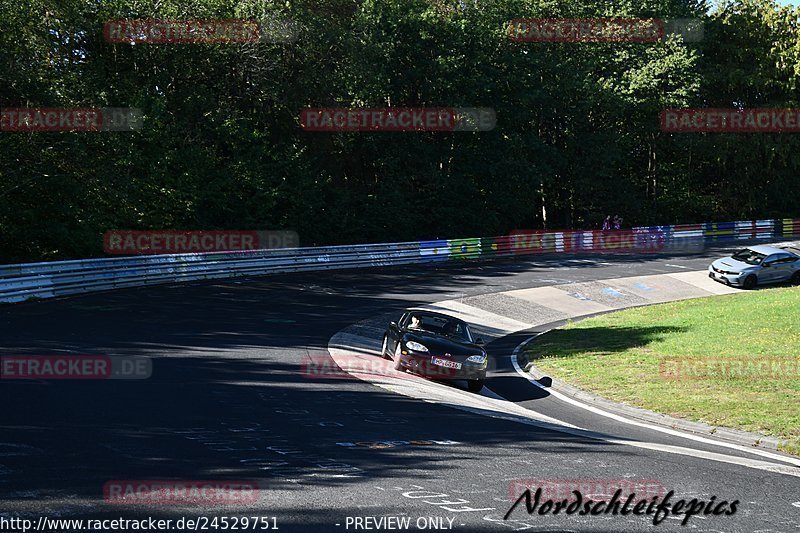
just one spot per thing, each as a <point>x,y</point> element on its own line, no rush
<point>769,260</point>
<point>780,259</point>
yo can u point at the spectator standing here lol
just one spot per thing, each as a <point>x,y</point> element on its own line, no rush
<point>607,223</point>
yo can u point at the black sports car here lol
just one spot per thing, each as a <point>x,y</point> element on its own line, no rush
<point>437,346</point>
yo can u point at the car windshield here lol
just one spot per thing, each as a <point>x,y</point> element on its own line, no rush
<point>749,256</point>
<point>440,325</point>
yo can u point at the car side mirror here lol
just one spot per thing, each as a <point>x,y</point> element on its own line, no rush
<point>479,342</point>
<point>393,325</point>
<point>766,265</point>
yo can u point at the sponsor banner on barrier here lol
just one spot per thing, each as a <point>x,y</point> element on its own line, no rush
<point>496,245</point>
<point>791,227</point>
<point>155,242</point>
<point>615,241</point>
<point>719,230</point>
<point>688,231</point>
<point>434,250</point>
<point>182,492</point>
<point>754,229</point>
<point>686,228</point>
<point>637,240</point>
<point>465,248</point>
<point>531,241</point>
<point>652,238</point>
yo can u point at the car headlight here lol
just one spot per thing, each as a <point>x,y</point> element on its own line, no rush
<point>415,346</point>
<point>480,359</point>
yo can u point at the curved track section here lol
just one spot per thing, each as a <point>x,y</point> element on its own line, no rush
<point>232,396</point>
<point>357,350</point>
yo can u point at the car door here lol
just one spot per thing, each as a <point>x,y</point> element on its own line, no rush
<point>783,267</point>
<point>770,269</point>
<point>393,333</point>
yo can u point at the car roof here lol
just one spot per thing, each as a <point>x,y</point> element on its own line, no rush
<point>430,312</point>
<point>766,250</point>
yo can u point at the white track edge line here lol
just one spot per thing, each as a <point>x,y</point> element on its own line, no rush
<point>624,420</point>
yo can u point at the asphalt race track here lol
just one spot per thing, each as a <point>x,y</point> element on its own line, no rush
<point>229,399</point>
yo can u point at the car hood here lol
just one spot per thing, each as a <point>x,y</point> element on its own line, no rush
<point>732,265</point>
<point>441,345</point>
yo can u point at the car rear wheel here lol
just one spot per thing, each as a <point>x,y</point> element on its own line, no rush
<point>475,385</point>
<point>795,278</point>
<point>397,364</point>
<point>750,282</point>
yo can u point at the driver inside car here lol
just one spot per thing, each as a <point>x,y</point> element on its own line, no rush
<point>451,328</point>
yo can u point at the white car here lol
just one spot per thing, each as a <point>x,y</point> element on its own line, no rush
<point>757,265</point>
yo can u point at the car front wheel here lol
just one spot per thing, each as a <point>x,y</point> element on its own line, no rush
<point>397,364</point>
<point>796,278</point>
<point>750,282</point>
<point>475,385</point>
<point>384,347</point>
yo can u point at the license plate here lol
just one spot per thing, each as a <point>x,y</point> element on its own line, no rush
<point>445,363</point>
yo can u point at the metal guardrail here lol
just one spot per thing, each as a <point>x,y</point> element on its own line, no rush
<point>47,280</point>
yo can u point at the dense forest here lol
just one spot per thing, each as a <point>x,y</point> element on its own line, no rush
<point>221,146</point>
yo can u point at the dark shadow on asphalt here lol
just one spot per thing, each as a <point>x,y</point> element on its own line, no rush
<point>216,418</point>
<point>227,398</point>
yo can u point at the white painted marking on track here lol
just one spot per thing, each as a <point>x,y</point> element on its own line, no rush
<point>675,433</point>
<point>676,266</point>
<point>796,504</point>
<point>486,405</point>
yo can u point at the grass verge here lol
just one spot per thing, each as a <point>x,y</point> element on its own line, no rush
<point>731,361</point>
